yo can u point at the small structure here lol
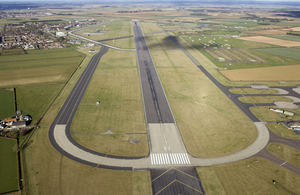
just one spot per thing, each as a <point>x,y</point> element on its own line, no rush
<point>18,124</point>
<point>294,124</point>
<point>60,34</point>
<point>282,111</point>
<point>220,59</point>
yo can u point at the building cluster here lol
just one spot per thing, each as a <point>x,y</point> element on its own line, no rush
<point>15,123</point>
<point>26,36</point>
<point>21,14</point>
<point>38,35</point>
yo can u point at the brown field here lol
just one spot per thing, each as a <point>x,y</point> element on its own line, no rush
<point>267,32</point>
<point>273,41</point>
<point>277,73</point>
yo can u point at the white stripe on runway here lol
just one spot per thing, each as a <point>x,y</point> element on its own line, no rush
<point>169,159</point>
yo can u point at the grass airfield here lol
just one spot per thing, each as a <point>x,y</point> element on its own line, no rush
<point>199,108</point>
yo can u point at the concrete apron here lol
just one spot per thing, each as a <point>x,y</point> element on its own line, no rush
<point>167,149</point>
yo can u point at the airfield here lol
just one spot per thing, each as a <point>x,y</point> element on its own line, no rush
<point>156,112</point>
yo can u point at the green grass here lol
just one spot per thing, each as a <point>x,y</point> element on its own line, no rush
<point>117,28</point>
<point>265,99</point>
<point>7,104</point>
<point>252,91</point>
<point>118,89</point>
<point>282,131</point>
<point>199,107</point>
<point>263,113</point>
<point>17,51</point>
<point>269,59</point>
<point>248,177</point>
<point>286,37</point>
<point>286,153</point>
<point>64,174</point>
<point>292,53</point>
<point>8,165</point>
<point>39,67</point>
<point>35,100</point>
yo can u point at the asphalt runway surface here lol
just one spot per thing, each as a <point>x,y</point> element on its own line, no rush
<point>170,181</point>
<point>157,109</point>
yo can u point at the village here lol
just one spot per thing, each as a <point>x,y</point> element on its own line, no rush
<point>39,34</point>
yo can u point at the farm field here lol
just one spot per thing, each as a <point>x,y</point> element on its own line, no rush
<point>235,53</point>
<point>266,32</point>
<point>292,53</point>
<point>276,73</point>
<point>248,176</point>
<point>212,68</point>
<point>286,37</point>
<point>36,99</point>
<point>121,109</point>
<point>39,67</point>
<point>7,103</point>
<point>274,41</point>
<point>193,97</point>
<point>8,166</point>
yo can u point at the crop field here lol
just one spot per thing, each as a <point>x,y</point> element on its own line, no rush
<point>193,98</point>
<point>248,177</point>
<point>121,109</point>
<point>276,73</point>
<point>36,99</point>
<point>7,104</point>
<point>286,37</point>
<point>237,53</point>
<point>267,32</point>
<point>39,66</point>
<point>8,165</point>
<point>109,30</point>
<point>292,53</point>
<point>7,52</point>
<point>235,56</point>
<point>274,41</point>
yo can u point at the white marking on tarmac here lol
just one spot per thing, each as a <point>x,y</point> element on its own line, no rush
<point>169,159</point>
<point>283,163</point>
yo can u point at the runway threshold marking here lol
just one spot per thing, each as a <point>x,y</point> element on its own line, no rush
<point>169,158</point>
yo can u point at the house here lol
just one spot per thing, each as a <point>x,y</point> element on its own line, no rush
<point>18,124</point>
